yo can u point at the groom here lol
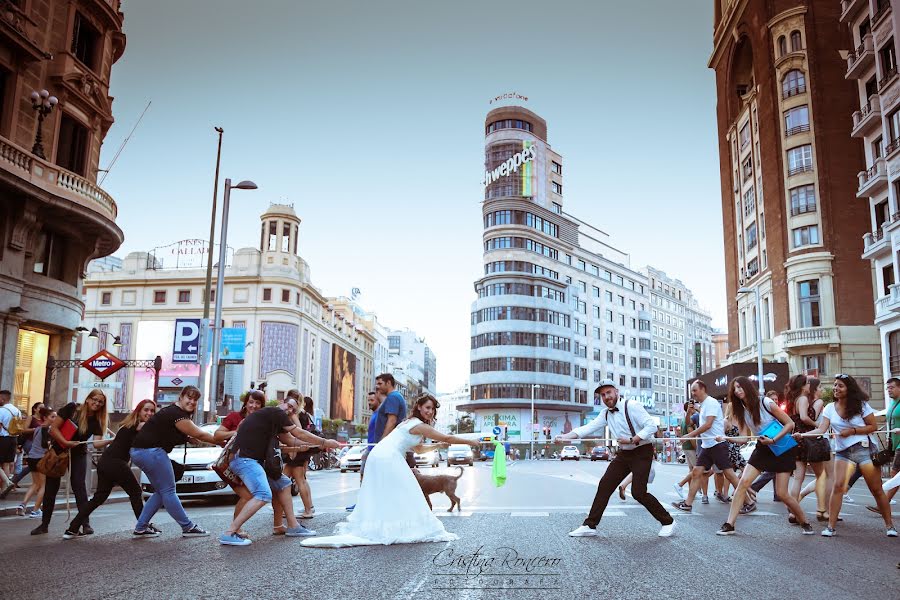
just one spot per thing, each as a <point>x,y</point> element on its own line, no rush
<point>634,429</point>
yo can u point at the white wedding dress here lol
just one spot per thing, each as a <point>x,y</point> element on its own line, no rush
<point>391,508</point>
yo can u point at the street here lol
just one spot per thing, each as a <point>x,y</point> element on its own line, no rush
<point>513,543</point>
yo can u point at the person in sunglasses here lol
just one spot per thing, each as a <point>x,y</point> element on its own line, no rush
<point>851,420</point>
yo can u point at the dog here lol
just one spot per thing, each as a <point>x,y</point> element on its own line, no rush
<point>432,484</point>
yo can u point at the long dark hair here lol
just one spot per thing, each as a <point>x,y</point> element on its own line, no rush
<point>255,395</point>
<point>792,391</point>
<point>750,403</point>
<point>853,403</point>
<point>420,402</point>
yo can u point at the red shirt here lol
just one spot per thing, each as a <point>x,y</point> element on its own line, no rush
<point>232,421</point>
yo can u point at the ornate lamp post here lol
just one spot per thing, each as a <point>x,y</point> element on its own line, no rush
<point>43,103</point>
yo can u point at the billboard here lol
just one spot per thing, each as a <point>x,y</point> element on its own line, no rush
<point>343,383</point>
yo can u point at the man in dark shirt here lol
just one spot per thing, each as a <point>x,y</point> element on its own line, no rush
<point>258,434</point>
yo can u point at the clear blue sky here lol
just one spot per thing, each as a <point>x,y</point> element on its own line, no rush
<point>368,117</point>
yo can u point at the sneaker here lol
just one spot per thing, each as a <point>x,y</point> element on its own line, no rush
<point>195,531</point>
<point>726,529</point>
<point>70,535</point>
<point>683,506</point>
<point>350,508</point>
<point>806,529</point>
<point>704,500</point>
<point>20,510</point>
<point>36,514</point>
<point>40,529</point>
<point>298,531</point>
<point>88,530</point>
<point>847,498</point>
<point>891,532</point>
<point>678,490</point>
<point>583,531</point>
<point>622,493</point>
<point>893,502</point>
<point>232,539</point>
<point>748,508</point>
<point>667,530</point>
<point>829,532</point>
<point>152,527</point>
<point>146,533</point>
<point>793,520</point>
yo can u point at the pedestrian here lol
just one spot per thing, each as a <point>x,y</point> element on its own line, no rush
<point>753,415</point>
<point>392,411</point>
<point>8,442</point>
<point>851,420</point>
<point>713,451</point>
<point>634,429</point>
<point>803,396</point>
<point>114,469</point>
<point>892,419</point>
<point>88,420</point>
<point>690,423</point>
<point>168,428</point>
<point>255,445</point>
<point>251,402</point>
<point>296,465</point>
<point>374,399</point>
<point>39,444</point>
<point>25,440</point>
<point>734,450</point>
<point>630,477</point>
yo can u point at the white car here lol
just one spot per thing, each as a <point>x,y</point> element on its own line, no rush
<point>747,449</point>
<point>199,481</point>
<point>460,454</point>
<point>426,459</point>
<point>569,452</point>
<point>352,459</point>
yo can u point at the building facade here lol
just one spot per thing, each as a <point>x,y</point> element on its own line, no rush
<point>295,336</point>
<point>872,66</point>
<point>412,362</point>
<point>788,166</point>
<point>53,217</point>
<point>448,413</point>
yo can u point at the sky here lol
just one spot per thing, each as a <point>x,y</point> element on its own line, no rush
<point>368,117</point>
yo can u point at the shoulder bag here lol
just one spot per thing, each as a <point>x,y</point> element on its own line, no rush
<point>773,429</point>
<point>222,468</point>
<point>885,455</point>
<point>53,463</point>
<point>273,464</point>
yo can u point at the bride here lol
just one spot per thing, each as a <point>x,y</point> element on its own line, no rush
<point>391,508</point>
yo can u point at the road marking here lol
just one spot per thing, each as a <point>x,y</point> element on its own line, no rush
<point>530,514</point>
<point>467,513</point>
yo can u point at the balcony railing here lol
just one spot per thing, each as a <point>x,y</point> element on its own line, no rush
<point>812,336</point>
<point>800,169</point>
<point>794,91</point>
<point>889,76</point>
<point>872,178</point>
<point>848,7</point>
<point>867,116</point>
<point>858,59</point>
<point>797,129</point>
<point>56,180</point>
<point>881,12</point>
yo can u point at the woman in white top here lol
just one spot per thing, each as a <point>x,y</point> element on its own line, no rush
<point>852,420</point>
<point>752,416</point>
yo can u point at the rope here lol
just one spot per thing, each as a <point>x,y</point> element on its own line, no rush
<point>726,438</point>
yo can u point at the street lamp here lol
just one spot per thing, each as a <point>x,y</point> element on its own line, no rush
<point>533,423</point>
<point>759,352</point>
<point>117,341</point>
<point>42,102</point>
<point>220,283</point>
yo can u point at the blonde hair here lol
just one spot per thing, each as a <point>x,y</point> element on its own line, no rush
<point>135,416</point>
<point>102,416</point>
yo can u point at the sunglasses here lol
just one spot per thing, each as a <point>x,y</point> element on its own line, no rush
<point>842,376</point>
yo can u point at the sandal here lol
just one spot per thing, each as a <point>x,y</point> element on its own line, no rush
<point>278,529</point>
<point>820,516</point>
<point>308,514</point>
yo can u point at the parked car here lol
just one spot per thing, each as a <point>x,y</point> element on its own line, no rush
<point>600,453</point>
<point>747,449</point>
<point>352,459</point>
<point>460,454</point>
<point>198,481</point>
<point>569,452</point>
<point>428,459</point>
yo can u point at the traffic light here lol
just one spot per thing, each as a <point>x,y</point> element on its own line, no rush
<point>547,433</point>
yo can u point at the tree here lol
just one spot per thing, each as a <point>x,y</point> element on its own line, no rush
<point>362,430</point>
<point>331,426</point>
<point>465,424</point>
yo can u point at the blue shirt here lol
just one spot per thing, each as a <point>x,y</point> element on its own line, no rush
<point>394,404</point>
<point>371,437</point>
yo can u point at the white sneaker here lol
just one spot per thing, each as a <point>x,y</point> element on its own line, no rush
<point>891,532</point>
<point>667,530</point>
<point>584,531</point>
<point>678,490</point>
<point>847,498</point>
<point>893,502</point>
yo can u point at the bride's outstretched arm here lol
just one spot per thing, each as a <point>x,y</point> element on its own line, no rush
<point>433,434</point>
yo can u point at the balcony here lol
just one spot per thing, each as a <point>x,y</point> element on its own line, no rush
<point>873,180</point>
<point>812,336</point>
<point>875,243</point>
<point>797,129</point>
<point>890,76</point>
<point>749,352</point>
<point>54,180</point>
<point>888,307</point>
<point>861,58</point>
<point>850,7</point>
<point>800,169</point>
<point>881,12</point>
<point>867,118</point>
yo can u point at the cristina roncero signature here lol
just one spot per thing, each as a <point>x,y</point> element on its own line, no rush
<point>497,562</point>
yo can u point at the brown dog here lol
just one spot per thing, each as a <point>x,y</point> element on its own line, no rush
<point>432,484</point>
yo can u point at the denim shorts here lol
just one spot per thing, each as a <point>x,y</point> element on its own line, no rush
<point>855,454</point>
<point>254,477</point>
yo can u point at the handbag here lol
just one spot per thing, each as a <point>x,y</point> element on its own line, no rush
<point>221,466</point>
<point>885,455</point>
<point>53,463</point>
<point>273,465</point>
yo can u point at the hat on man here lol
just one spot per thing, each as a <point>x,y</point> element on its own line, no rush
<point>607,382</point>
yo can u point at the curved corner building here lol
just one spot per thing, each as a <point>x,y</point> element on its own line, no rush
<point>538,323</point>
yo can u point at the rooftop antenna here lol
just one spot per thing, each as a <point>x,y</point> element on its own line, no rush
<point>122,147</point>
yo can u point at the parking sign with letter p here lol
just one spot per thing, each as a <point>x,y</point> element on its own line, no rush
<point>186,347</point>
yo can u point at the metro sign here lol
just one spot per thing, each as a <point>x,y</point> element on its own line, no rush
<point>103,364</point>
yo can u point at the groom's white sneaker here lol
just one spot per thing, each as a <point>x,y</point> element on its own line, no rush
<point>584,531</point>
<point>667,530</point>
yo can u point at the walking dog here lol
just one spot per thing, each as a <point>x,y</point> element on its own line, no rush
<point>432,484</point>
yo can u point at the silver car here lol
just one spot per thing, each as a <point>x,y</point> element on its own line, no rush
<point>199,481</point>
<point>460,454</point>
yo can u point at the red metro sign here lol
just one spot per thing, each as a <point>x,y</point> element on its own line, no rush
<point>103,364</point>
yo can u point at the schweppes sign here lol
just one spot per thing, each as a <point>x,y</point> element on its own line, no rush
<point>512,164</point>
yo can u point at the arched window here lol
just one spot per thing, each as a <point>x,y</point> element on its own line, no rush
<point>894,351</point>
<point>794,83</point>
<point>782,46</point>
<point>796,42</point>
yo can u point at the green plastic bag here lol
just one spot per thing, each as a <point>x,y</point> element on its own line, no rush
<point>499,470</point>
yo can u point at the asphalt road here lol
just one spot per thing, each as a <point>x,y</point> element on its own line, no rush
<point>513,544</point>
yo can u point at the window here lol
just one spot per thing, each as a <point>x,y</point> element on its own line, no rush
<point>800,159</point>
<point>285,295</point>
<point>596,312</point>
<point>557,168</point>
<point>508,124</point>
<point>749,202</point>
<point>267,294</point>
<point>159,297</point>
<point>809,303</point>
<point>745,135</point>
<point>72,145</point>
<point>609,336</point>
<point>610,358</point>
<point>85,42</point>
<point>803,199</point>
<point>747,169</point>
<point>286,237</point>
<point>796,41</point>
<point>106,298</point>
<point>751,236</point>
<point>804,236</point>
<point>609,296</point>
<point>888,63</point>
<point>609,316</point>
<point>887,279</point>
<point>583,286</point>
<point>212,295</point>
<point>782,46</point>
<point>557,208</point>
<point>796,120</point>
<point>595,291</point>
<point>794,83</point>
<point>273,235</point>
<point>814,363</point>
<point>894,129</point>
<point>557,188</point>
<point>621,360</point>
<point>184,296</point>
<point>753,267</point>
<point>621,380</point>
<point>621,339</point>
<point>894,352</point>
